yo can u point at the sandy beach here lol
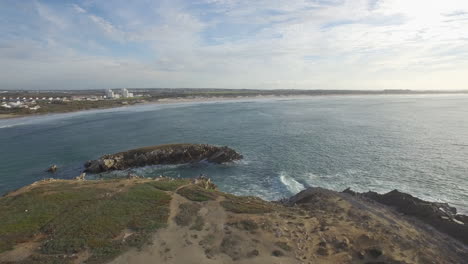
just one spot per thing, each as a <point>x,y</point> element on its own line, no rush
<point>160,101</point>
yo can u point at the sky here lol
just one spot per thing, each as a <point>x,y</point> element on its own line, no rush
<point>251,44</point>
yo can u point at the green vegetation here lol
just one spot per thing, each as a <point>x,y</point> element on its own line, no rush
<point>246,205</point>
<point>197,193</point>
<point>169,185</point>
<point>41,259</point>
<point>105,218</point>
<point>75,217</point>
<point>246,224</point>
<point>187,214</point>
<point>70,106</point>
<point>199,224</point>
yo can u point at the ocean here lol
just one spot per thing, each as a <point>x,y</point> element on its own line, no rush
<point>414,143</point>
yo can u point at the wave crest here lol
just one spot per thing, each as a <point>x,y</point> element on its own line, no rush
<point>291,184</point>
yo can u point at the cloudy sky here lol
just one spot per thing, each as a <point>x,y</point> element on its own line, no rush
<point>266,44</point>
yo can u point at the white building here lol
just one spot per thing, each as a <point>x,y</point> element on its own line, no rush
<point>126,93</point>
<point>17,104</point>
<point>110,94</point>
<point>4,105</point>
<point>34,108</point>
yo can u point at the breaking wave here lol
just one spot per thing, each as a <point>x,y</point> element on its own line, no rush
<point>291,184</point>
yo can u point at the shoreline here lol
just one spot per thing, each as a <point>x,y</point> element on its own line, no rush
<point>160,101</point>
<point>166,217</point>
<point>165,101</point>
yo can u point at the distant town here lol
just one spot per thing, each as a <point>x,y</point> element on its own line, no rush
<point>15,103</point>
<point>33,102</point>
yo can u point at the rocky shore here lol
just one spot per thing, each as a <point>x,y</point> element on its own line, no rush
<point>441,216</point>
<point>162,155</point>
<point>189,221</point>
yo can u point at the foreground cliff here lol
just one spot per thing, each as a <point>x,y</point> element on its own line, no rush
<point>186,221</point>
<point>441,216</point>
<point>162,155</point>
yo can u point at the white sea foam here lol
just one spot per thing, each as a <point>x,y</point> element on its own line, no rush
<point>12,125</point>
<point>241,162</point>
<point>290,183</point>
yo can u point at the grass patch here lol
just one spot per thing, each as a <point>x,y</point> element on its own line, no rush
<point>76,217</point>
<point>70,106</point>
<point>38,259</point>
<point>138,240</point>
<point>24,215</point>
<point>169,184</point>
<point>246,205</point>
<point>187,214</point>
<point>246,224</point>
<point>197,194</point>
<point>199,224</point>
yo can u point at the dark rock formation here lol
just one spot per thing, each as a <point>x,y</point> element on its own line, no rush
<point>162,154</point>
<point>439,215</point>
<point>204,182</point>
<point>52,168</point>
<point>383,225</point>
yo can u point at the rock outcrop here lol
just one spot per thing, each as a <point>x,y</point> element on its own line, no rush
<point>52,169</point>
<point>439,215</point>
<point>162,155</point>
<point>204,182</point>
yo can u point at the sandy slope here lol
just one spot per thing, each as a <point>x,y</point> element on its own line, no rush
<point>329,228</point>
<point>177,244</point>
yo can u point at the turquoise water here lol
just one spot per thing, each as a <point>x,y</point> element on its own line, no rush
<point>417,144</point>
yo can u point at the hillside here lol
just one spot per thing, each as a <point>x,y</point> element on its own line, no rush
<point>167,220</point>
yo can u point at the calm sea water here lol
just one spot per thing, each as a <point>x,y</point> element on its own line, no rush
<point>417,144</point>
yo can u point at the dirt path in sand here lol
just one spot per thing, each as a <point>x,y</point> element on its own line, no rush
<point>176,244</point>
<point>211,245</point>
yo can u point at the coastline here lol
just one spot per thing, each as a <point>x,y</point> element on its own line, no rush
<point>164,218</point>
<point>178,100</point>
<point>163,101</point>
<point>9,116</point>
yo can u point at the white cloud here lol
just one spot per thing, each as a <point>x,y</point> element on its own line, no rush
<point>49,15</point>
<point>340,44</point>
<point>78,9</point>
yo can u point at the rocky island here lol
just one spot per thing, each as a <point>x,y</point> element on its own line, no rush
<point>162,155</point>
